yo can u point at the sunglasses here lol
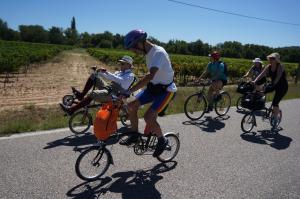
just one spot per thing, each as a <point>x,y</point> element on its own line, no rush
<point>123,63</point>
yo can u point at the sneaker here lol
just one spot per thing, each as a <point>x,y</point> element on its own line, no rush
<point>130,140</point>
<point>160,147</point>
<point>65,108</point>
<point>274,121</point>
<point>77,93</point>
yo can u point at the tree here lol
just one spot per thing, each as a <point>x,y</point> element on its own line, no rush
<point>3,29</point>
<point>118,41</point>
<point>71,33</point>
<point>73,24</point>
<point>232,49</point>
<point>85,40</point>
<point>33,33</point>
<point>56,35</point>
<point>6,33</point>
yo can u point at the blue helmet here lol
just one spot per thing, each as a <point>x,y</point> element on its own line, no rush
<point>133,37</point>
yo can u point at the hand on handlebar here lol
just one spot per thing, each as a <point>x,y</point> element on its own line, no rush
<point>101,70</point>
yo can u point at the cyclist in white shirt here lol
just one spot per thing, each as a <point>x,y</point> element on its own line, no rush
<point>120,81</point>
<point>160,87</point>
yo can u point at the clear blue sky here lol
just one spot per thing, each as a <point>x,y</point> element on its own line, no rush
<point>165,20</point>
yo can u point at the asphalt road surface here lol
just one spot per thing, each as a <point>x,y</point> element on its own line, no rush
<point>216,160</point>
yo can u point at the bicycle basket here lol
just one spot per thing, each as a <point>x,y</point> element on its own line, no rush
<point>253,102</point>
<point>244,87</point>
<point>105,122</point>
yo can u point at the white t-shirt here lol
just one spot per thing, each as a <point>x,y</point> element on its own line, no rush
<point>125,78</point>
<point>159,58</point>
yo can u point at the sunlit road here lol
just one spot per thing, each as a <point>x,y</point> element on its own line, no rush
<point>215,161</point>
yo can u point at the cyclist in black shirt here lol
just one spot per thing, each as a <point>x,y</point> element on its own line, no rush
<point>276,72</point>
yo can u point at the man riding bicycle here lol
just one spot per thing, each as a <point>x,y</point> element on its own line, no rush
<point>217,71</point>
<point>120,81</point>
<point>160,87</point>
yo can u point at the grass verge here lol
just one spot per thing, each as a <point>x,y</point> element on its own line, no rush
<point>33,118</point>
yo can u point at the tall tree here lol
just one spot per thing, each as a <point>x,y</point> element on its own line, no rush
<point>71,33</point>
<point>73,24</point>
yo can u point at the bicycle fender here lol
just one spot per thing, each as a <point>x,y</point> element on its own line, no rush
<point>172,133</point>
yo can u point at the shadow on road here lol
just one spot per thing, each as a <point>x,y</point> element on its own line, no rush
<point>73,140</point>
<point>80,140</point>
<point>267,137</point>
<point>209,124</point>
<point>131,184</point>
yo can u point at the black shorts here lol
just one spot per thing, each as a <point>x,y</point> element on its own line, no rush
<point>280,91</point>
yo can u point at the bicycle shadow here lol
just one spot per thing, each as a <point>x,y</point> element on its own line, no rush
<point>73,141</point>
<point>268,137</point>
<point>76,141</point>
<point>131,184</point>
<point>209,124</point>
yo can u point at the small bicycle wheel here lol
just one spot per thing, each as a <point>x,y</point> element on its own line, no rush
<point>248,122</point>
<point>80,122</point>
<point>239,104</point>
<point>68,100</point>
<point>222,105</point>
<point>195,106</point>
<point>92,163</point>
<point>123,115</point>
<point>171,149</point>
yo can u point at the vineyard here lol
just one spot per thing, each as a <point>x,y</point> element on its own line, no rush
<point>186,67</point>
<point>15,55</point>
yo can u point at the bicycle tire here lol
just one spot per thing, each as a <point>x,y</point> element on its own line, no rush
<point>194,100</point>
<point>85,119</point>
<point>164,157</point>
<point>250,120</point>
<point>101,154</point>
<point>225,97</point>
<point>239,104</point>
<point>68,100</point>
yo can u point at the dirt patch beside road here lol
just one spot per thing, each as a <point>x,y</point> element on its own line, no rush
<point>47,83</point>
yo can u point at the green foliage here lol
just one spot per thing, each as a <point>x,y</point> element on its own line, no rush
<point>184,65</point>
<point>56,35</point>
<point>13,55</point>
<point>33,33</point>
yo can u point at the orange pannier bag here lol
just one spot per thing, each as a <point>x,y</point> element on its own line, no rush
<point>105,122</point>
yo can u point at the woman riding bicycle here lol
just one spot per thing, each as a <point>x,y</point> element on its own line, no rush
<point>120,81</point>
<point>160,87</point>
<point>254,71</point>
<point>276,72</point>
<point>217,71</point>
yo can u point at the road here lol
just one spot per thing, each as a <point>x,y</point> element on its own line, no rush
<point>216,160</point>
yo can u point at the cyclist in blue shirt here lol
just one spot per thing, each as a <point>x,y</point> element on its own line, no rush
<point>217,70</point>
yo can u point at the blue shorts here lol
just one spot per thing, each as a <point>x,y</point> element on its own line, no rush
<point>159,102</point>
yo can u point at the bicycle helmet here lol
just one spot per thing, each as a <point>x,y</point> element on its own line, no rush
<point>133,37</point>
<point>215,55</point>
